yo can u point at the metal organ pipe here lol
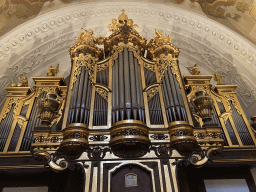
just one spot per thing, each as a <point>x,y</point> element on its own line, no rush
<point>133,88</point>
<point>83,110</point>
<point>174,104</point>
<point>127,89</point>
<point>80,99</point>
<point>121,86</point>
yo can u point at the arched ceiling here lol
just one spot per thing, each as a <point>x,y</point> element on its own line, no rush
<point>47,29</point>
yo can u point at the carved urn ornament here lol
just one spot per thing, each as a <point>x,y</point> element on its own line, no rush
<point>203,106</point>
<point>48,109</point>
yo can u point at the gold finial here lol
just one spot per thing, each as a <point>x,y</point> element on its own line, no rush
<point>130,23</point>
<point>53,71</point>
<point>24,80</point>
<point>218,78</point>
<point>114,26</point>
<point>193,70</point>
<point>123,18</point>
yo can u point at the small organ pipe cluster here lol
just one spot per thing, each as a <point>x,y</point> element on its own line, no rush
<point>119,104</point>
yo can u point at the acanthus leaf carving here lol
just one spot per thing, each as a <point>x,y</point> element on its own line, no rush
<point>83,60</point>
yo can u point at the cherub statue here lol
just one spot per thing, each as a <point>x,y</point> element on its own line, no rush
<point>159,37</point>
<point>24,80</point>
<point>114,26</point>
<point>53,71</point>
<point>218,78</point>
<point>193,70</point>
<point>82,36</point>
<point>91,40</point>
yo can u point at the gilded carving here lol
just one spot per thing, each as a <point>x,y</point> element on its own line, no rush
<point>24,80</point>
<point>114,26</point>
<point>231,98</point>
<point>194,70</point>
<point>151,93</point>
<point>218,78</point>
<point>83,60</point>
<point>48,108</point>
<point>40,90</point>
<point>86,37</point>
<point>163,62</point>
<point>53,71</point>
<point>120,48</point>
<point>102,67</point>
<point>59,115</point>
<point>224,116</point>
<point>103,93</point>
<point>12,101</point>
<point>21,120</point>
<point>149,66</point>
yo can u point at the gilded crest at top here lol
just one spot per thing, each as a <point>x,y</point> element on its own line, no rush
<point>123,18</point>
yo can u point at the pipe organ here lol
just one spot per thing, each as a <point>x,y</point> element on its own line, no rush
<point>126,111</point>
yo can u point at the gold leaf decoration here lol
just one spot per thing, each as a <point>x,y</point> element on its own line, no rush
<point>83,60</point>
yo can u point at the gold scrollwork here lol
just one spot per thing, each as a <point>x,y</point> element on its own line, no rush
<point>198,118</point>
<point>21,120</point>
<point>102,92</point>
<point>120,48</point>
<point>231,98</point>
<point>102,66</point>
<point>44,89</point>
<point>12,101</point>
<point>163,62</point>
<point>150,67</point>
<point>224,116</point>
<point>83,60</point>
<point>151,93</point>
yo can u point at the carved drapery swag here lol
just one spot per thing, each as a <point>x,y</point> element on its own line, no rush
<point>83,60</point>
<point>120,47</point>
<point>162,65</point>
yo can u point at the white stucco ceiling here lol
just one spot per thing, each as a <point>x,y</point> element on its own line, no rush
<point>33,46</point>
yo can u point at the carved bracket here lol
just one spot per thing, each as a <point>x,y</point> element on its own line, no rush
<point>56,163</point>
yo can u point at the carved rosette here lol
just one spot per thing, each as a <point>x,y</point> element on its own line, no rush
<point>75,140</point>
<point>181,137</point>
<point>129,138</point>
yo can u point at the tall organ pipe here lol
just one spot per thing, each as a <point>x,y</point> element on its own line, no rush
<point>81,99</point>
<point>121,86</point>
<point>174,104</point>
<point>127,88</point>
